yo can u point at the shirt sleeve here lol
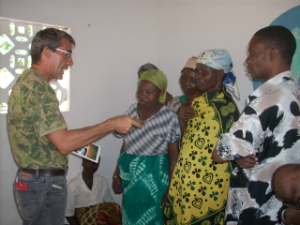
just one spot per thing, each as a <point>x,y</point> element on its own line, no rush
<point>47,116</point>
<point>245,137</point>
<point>175,132</point>
<point>70,202</point>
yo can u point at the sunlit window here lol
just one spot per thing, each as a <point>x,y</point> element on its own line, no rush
<point>15,44</point>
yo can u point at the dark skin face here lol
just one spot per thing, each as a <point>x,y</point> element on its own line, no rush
<point>148,94</point>
<point>258,60</point>
<point>168,97</point>
<point>188,84</point>
<point>89,167</point>
<point>148,99</point>
<point>207,78</point>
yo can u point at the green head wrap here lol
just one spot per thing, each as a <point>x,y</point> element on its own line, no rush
<point>158,78</point>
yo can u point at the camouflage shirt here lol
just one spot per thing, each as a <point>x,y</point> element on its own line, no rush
<point>33,112</point>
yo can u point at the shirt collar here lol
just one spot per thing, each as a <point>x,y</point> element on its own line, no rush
<point>270,84</point>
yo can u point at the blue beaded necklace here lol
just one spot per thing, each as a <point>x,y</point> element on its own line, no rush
<point>87,180</point>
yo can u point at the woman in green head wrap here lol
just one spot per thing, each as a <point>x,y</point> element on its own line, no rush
<point>150,66</point>
<point>148,155</point>
<point>159,79</point>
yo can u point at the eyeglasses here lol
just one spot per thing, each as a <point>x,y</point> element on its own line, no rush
<point>67,54</point>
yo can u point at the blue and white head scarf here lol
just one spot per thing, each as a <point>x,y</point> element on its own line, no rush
<point>220,59</point>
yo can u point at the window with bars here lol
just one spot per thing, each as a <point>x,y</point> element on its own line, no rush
<point>15,43</point>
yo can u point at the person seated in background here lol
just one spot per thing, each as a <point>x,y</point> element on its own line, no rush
<point>286,186</point>
<point>89,199</point>
<point>150,66</point>
<point>148,156</point>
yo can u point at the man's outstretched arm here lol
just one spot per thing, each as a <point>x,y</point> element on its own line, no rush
<point>68,140</point>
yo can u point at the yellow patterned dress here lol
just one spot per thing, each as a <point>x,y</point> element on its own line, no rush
<point>199,186</point>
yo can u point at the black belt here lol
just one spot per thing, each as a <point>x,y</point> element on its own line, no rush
<point>44,172</point>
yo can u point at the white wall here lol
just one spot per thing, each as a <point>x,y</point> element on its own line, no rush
<point>114,38</point>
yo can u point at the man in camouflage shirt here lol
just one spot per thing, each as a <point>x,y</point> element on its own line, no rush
<point>38,132</point>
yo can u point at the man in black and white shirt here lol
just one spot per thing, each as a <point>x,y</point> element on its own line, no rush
<point>268,129</point>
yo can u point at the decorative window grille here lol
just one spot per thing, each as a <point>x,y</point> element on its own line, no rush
<point>15,44</point>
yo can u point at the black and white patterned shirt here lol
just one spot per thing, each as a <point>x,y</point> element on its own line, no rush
<point>153,138</point>
<point>268,128</point>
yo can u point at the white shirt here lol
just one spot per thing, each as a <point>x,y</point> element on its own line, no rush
<point>79,195</point>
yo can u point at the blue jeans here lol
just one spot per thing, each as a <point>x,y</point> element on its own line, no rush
<point>44,201</point>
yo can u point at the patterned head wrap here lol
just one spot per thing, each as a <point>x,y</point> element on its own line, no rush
<point>158,78</point>
<point>191,63</point>
<point>220,59</point>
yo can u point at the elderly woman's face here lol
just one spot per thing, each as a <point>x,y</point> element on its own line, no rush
<point>207,78</point>
<point>148,93</point>
<point>188,82</point>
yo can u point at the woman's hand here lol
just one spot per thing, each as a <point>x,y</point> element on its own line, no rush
<point>164,200</point>
<point>117,184</point>
<point>186,111</point>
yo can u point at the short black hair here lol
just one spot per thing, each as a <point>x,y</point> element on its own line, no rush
<point>50,37</point>
<point>281,38</point>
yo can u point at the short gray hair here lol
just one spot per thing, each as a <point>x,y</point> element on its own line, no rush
<point>50,37</point>
<point>147,66</point>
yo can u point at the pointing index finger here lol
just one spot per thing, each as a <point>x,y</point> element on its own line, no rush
<point>136,123</point>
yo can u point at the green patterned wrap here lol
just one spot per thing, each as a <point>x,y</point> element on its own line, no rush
<point>33,112</point>
<point>145,180</point>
